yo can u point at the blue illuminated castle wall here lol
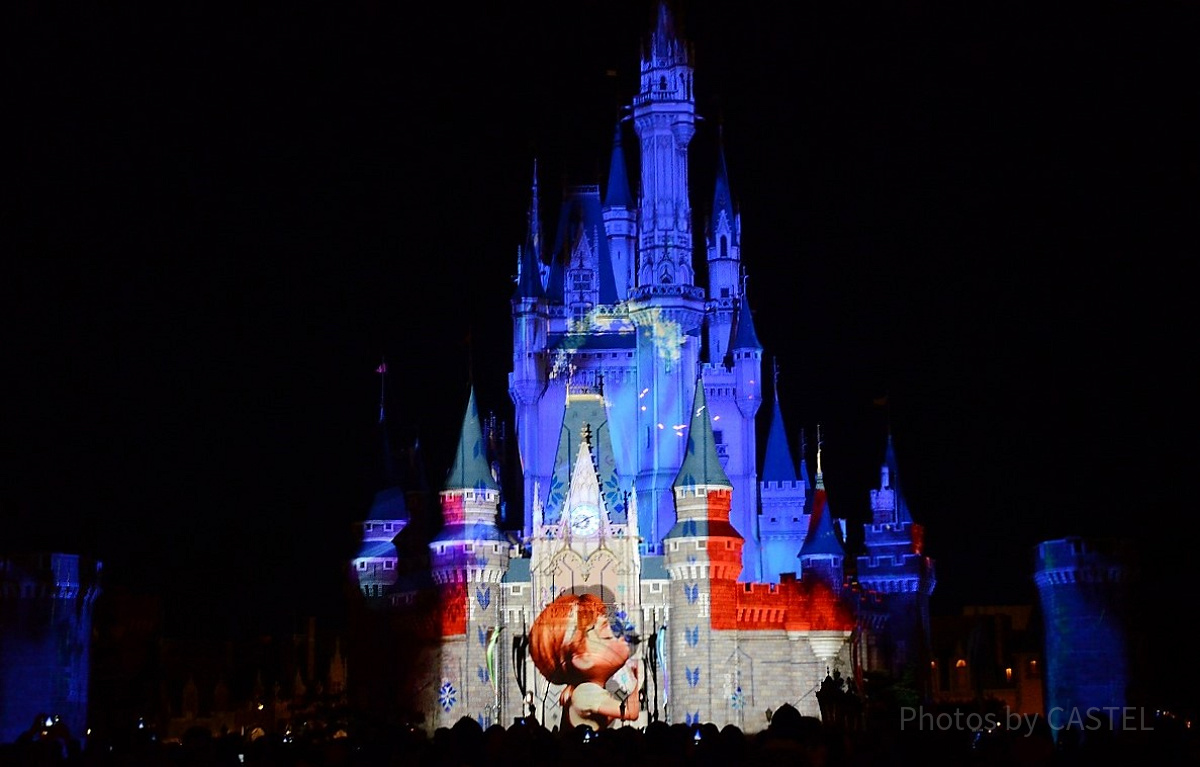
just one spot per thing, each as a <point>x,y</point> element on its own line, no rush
<point>46,602</point>
<point>1086,587</point>
<point>637,387</point>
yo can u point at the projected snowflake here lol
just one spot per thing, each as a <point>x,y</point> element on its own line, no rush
<point>447,696</point>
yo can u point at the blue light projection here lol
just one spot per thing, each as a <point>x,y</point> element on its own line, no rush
<point>447,696</point>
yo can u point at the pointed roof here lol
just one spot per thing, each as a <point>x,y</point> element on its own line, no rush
<point>388,503</point>
<point>805,477</point>
<point>586,412</point>
<point>822,538</point>
<point>471,470</point>
<point>665,33</point>
<point>744,336</point>
<point>581,216</point>
<point>618,195</point>
<point>893,473</point>
<point>529,278</point>
<point>778,465</point>
<point>701,466</point>
<point>722,196</point>
<point>585,482</point>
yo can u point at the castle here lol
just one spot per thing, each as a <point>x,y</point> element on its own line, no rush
<point>46,602</point>
<point>637,384</point>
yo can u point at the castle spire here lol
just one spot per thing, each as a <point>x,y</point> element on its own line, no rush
<point>744,336</point>
<point>890,478</point>
<point>470,470</point>
<point>618,195</point>
<point>664,115</point>
<point>820,479</point>
<point>620,220</point>
<point>389,503</point>
<point>778,465</point>
<point>701,466</point>
<point>529,257</point>
<point>724,216</point>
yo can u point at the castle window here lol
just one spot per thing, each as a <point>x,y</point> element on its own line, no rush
<point>389,564</point>
<point>1008,674</point>
<point>725,254</point>
<point>368,526</point>
<point>960,663</point>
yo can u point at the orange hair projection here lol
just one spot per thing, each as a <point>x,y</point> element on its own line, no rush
<point>558,632</point>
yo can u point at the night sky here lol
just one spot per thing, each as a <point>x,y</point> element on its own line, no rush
<point>219,220</point>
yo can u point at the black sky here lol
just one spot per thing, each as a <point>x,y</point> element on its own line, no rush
<point>221,218</point>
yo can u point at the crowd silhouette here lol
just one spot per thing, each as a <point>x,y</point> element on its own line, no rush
<point>790,740</point>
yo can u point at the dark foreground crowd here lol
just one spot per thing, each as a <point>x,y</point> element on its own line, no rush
<point>791,740</point>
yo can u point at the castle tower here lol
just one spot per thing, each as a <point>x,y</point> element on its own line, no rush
<point>666,306</point>
<point>724,245</point>
<point>703,555</point>
<point>783,520</point>
<point>620,220</point>
<point>1086,587</point>
<point>469,557</point>
<point>46,605</point>
<point>375,565</point>
<point>895,567</point>
<point>528,379</point>
<point>741,464</point>
<point>822,555</point>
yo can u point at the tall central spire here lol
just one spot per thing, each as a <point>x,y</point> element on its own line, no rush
<point>664,116</point>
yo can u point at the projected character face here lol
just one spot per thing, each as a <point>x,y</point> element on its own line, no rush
<point>572,644</point>
<point>602,653</point>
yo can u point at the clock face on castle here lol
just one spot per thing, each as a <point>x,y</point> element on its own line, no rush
<point>584,519</point>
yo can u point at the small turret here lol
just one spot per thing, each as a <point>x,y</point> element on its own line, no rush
<point>894,566</point>
<point>528,377</point>
<point>782,493</point>
<point>620,220</point>
<point>724,237</point>
<point>375,565</point>
<point>745,354</point>
<point>470,504</point>
<point>703,554</point>
<point>822,554</point>
<point>469,558</point>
